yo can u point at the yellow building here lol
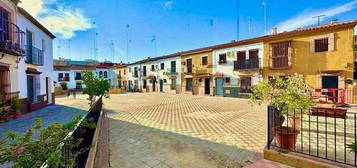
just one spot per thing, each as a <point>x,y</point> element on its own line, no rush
<point>323,55</point>
<point>196,77</point>
<point>122,76</point>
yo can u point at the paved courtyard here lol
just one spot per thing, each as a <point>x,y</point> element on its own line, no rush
<point>63,112</point>
<point>170,130</point>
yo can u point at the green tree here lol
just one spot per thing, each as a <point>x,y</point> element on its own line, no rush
<point>95,86</point>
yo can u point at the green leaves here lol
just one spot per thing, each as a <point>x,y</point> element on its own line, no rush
<point>95,86</point>
<point>285,94</point>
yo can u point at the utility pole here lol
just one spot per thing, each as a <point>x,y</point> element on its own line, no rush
<point>318,18</point>
<point>95,49</point>
<point>265,17</point>
<point>211,24</point>
<point>249,25</point>
<point>69,48</point>
<point>112,50</point>
<point>237,20</point>
<point>127,42</point>
<point>153,42</point>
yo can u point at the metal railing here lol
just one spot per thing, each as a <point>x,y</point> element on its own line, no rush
<point>83,135</point>
<point>34,55</point>
<point>11,38</point>
<point>246,64</point>
<point>327,133</point>
<point>64,79</point>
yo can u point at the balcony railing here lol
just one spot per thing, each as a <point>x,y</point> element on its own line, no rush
<point>171,71</point>
<point>11,38</point>
<point>280,62</point>
<point>246,64</point>
<point>34,55</point>
<point>64,78</point>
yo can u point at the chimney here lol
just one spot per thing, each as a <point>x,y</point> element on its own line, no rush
<point>274,31</point>
<point>148,57</point>
<point>335,21</point>
<point>232,41</point>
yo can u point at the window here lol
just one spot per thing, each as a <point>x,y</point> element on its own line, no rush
<point>321,45</point>
<point>280,54</point>
<point>4,17</point>
<point>129,69</point>
<point>144,84</point>
<point>66,76</point>
<point>60,76</point>
<point>245,84</point>
<point>124,72</point>
<point>105,74</point>
<point>173,66</point>
<point>205,60</point>
<point>136,72</point>
<point>222,58</point>
<point>152,67</point>
<point>100,73</point>
<point>165,80</point>
<point>43,45</point>
<point>144,70</point>
<point>162,66</point>
<point>227,80</point>
<point>78,76</point>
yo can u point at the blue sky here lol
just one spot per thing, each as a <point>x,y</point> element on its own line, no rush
<point>177,24</point>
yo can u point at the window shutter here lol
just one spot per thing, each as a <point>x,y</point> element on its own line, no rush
<point>271,56</point>
<point>37,88</point>
<point>331,42</point>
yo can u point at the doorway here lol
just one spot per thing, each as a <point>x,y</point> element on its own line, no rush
<point>331,82</point>
<point>188,84</point>
<point>219,86</point>
<point>161,85</point>
<point>153,85</point>
<point>30,90</point>
<point>207,86</point>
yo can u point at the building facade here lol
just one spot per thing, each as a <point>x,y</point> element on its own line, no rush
<point>322,55</point>
<point>237,69</point>
<point>197,68</point>
<point>122,71</point>
<point>134,77</point>
<point>161,74</point>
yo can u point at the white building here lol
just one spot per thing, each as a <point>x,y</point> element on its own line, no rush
<point>35,70</point>
<point>161,74</point>
<point>134,77</point>
<point>241,66</point>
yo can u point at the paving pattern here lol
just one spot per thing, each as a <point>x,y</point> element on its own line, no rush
<point>170,130</point>
<point>64,111</point>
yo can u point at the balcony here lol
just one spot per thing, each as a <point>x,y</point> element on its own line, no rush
<point>171,71</point>
<point>34,55</point>
<point>11,38</point>
<point>63,79</point>
<point>280,63</point>
<point>246,64</point>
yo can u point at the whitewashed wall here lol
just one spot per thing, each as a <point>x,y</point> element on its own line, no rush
<point>47,68</point>
<point>228,69</point>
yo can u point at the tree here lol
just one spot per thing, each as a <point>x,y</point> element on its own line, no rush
<point>95,86</point>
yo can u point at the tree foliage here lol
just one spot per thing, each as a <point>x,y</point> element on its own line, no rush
<point>283,94</point>
<point>95,86</point>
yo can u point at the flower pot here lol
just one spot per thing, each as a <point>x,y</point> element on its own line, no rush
<point>295,122</point>
<point>195,90</point>
<point>17,115</point>
<point>286,137</point>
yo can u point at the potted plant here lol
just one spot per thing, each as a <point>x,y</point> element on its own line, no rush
<point>288,98</point>
<point>16,105</point>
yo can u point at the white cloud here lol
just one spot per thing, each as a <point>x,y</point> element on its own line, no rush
<point>60,19</point>
<point>305,18</point>
<point>168,4</point>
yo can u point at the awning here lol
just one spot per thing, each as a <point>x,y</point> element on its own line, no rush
<point>204,75</point>
<point>218,75</point>
<point>332,72</point>
<point>32,71</point>
<point>150,78</point>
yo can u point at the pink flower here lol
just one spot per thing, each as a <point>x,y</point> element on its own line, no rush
<point>17,153</point>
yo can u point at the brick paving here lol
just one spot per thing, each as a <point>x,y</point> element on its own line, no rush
<point>170,130</point>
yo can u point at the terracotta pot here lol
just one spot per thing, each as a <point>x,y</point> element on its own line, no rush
<point>295,122</point>
<point>286,137</point>
<point>195,90</point>
<point>17,115</point>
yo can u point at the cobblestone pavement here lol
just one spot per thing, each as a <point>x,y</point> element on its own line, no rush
<point>170,130</point>
<point>63,112</point>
